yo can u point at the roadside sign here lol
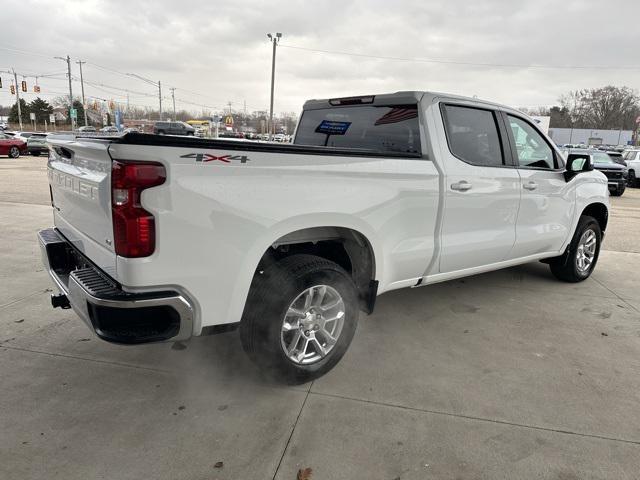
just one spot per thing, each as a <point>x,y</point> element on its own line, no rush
<point>32,116</point>
<point>74,113</point>
<point>52,118</point>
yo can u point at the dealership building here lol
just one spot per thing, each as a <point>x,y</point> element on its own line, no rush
<point>588,136</point>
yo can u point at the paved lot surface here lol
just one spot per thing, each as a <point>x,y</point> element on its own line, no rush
<point>506,375</point>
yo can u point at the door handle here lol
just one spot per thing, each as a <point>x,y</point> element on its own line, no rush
<point>461,186</point>
<point>530,186</point>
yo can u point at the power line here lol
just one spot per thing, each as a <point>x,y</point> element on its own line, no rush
<point>474,64</point>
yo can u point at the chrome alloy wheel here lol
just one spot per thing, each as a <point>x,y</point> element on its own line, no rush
<point>586,251</point>
<point>312,325</point>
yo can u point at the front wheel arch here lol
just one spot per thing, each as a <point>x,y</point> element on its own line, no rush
<point>599,212</point>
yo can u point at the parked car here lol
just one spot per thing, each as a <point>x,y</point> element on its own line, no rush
<point>37,144</point>
<point>12,146</point>
<point>173,128</point>
<point>376,193</point>
<point>632,157</point>
<point>87,129</point>
<point>616,174</point>
<point>109,129</point>
<point>616,157</point>
<point>631,154</point>
<point>20,135</point>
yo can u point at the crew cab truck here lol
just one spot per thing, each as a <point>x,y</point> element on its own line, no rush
<point>160,238</point>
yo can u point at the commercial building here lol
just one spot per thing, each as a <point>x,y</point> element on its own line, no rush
<point>588,136</point>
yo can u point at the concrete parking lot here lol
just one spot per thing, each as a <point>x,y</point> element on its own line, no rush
<point>506,375</point>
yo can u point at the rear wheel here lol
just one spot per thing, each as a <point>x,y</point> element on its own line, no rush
<point>581,256</point>
<point>300,317</point>
<point>14,152</point>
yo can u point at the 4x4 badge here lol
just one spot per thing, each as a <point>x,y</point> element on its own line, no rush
<point>207,157</point>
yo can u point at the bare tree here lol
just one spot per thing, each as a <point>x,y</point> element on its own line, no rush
<point>607,107</point>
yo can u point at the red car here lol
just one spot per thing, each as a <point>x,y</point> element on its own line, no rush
<point>12,147</point>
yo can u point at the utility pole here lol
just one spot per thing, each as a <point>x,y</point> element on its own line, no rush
<point>68,60</point>
<point>84,105</point>
<point>160,98</point>
<point>15,77</point>
<point>173,97</point>
<point>274,40</point>
<point>151,82</point>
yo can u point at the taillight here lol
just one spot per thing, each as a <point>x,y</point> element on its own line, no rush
<point>134,229</point>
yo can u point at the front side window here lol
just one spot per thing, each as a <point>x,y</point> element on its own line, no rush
<point>532,150</point>
<point>392,129</point>
<point>473,135</point>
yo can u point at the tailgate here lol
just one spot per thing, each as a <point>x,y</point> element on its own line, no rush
<point>80,178</point>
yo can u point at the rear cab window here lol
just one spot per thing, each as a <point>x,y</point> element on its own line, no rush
<point>386,129</point>
<point>473,135</point>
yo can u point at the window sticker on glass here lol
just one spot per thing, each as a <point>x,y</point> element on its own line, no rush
<point>329,127</point>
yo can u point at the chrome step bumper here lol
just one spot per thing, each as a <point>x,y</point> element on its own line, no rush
<point>114,314</point>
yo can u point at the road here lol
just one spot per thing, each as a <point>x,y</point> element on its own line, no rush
<point>505,375</point>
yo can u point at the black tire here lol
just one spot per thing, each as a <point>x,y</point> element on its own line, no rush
<point>14,152</point>
<point>632,180</point>
<point>565,267</point>
<point>35,154</point>
<point>273,291</point>
<point>618,191</point>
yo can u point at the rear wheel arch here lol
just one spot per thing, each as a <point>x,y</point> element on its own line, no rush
<point>347,247</point>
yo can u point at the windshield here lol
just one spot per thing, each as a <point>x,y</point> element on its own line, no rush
<point>602,158</point>
<point>383,129</point>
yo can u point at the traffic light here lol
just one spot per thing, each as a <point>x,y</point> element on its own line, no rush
<point>24,85</point>
<point>13,89</point>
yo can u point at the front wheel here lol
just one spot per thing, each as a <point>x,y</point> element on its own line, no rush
<point>300,317</point>
<point>618,191</point>
<point>581,256</point>
<point>632,180</point>
<point>14,152</point>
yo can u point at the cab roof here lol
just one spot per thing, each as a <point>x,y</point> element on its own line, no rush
<point>398,98</point>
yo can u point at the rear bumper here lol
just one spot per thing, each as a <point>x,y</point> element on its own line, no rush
<point>37,148</point>
<point>113,314</point>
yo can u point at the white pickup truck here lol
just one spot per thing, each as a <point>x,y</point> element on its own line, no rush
<point>160,238</point>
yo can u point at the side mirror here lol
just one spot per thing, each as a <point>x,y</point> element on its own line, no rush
<point>577,163</point>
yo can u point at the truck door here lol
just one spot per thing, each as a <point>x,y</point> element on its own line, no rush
<point>481,190</point>
<point>547,207</point>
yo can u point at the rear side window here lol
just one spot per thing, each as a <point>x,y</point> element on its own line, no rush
<point>473,135</point>
<point>383,129</point>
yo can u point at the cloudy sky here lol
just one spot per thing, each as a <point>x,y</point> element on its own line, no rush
<point>217,52</point>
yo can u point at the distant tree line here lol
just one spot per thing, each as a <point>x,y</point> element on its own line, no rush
<point>606,108</point>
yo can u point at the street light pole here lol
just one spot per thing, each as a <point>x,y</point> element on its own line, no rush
<point>274,39</point>
<point>68,60</point>
<point>15,77</point>
<point>84,106</point>
<point>173,97</point>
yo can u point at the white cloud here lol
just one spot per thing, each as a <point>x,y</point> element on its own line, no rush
<point>220,49</point>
